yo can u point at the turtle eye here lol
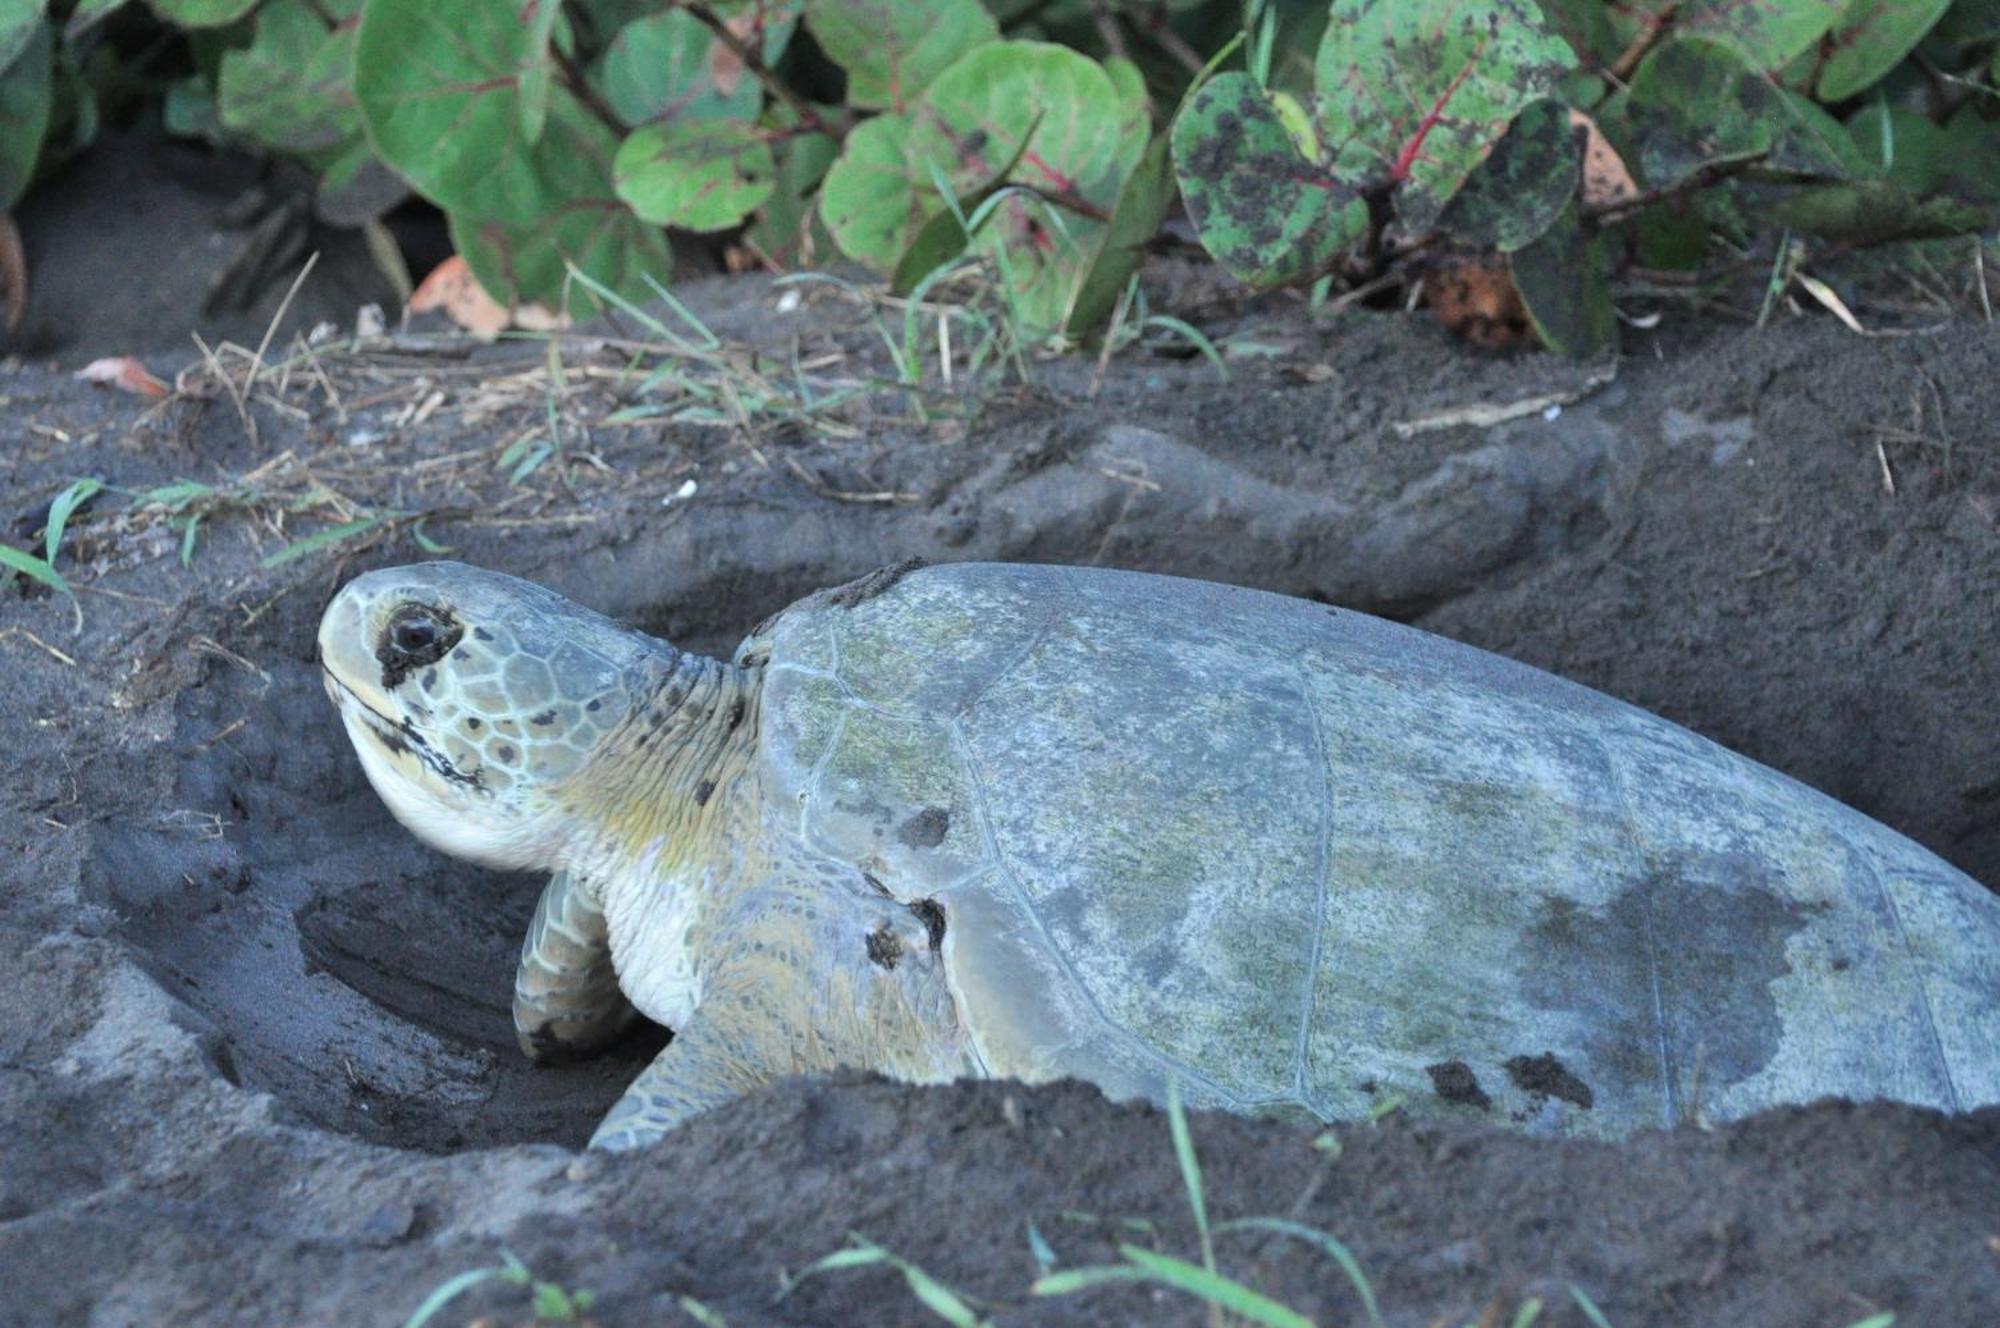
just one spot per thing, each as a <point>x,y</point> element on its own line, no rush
<point>416,636</point>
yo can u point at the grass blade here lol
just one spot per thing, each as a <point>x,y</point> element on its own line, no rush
<point>1589,1307</point>
<point>938,1298</point>
<point>34,568</point>
<point>324,539</point>
<point>447,1292</point>
<point>1072,1280</point>
<point>1211,1286</point>
<point>63,508</point>
<point>1190,1168</point>
<point>1338,1252</point>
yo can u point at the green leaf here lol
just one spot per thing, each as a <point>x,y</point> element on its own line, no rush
<point>1072,1280</point>
<point>446,1292</point>
<point>1263,211</point>
<point>788,229</point>
<point>439,88</point>
<point>1045,127</point>
<point>1586,26</point>
<point>1056,124</point>
<point>1336,1251</point>
<point>893,49</point>
<point>1427,89</point>
<point>326,539</point>
<point>1523,185</point>
<point>1564,280</point>
<point>877,196</point>
<point>34,568</point>
<point>18,21</point>
<point>1697,103</point>
<point>1871,38</point>
<point>1901,146</point>
<point>1869,212</point>
<point>63,508</point>
<point>659,67</point>
<point>697,175</point>
<point>583,223</point>
<point>89,12</point>
<point>1969,22</point>
<point>1142,207</point>
<point>1767,33</point>
<point>944,237</point>
<point>289,88</point>
<point>1972,157</point>
<point>1231,1296</point>
<point>24,109</point>
<point>537,74</point>
<point>201,13</point>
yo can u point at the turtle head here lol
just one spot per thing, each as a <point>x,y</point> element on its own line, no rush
<point>472,697</point>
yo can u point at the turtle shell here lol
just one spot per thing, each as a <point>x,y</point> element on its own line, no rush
<point>1303,860</point>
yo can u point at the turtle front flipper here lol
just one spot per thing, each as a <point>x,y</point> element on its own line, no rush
<point>707,1064</point>
<point>813,983</point>
<point>566,997</point>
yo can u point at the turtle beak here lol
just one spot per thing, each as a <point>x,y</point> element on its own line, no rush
<point>349,665</point>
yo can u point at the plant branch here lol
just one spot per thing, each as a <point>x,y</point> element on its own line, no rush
<point>1651,29</point>
<point>580,85</point>
<point>1157,30</point>
<point>1605,214</point>
<point>753,61</point>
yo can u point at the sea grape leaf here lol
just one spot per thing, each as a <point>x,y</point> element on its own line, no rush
<point>574,218</point>
<point>879,193</point>
<point>788,229</point>
<point>893,49</point>
<point>1697,103</point>
<point>1032,115</point>
<point>1564,280</point>
<point>18,21</point>
<point>1586,26</point>
<point>1901,146</point>
<point>1052,121</point>
<point>439,88</point>
<point>289,88</point>
<point>201,13</point>
<point>1870,38</point>
<point>1523,185</point>
<point>659,67</point>
<point>25,99</point>
<point>1867,212</point>
<point>538,18</point>
<point>1142,207</point>
<point>1428,88</point>
<point>1767,33</point>
<point>699,175</point>
<point>1264,210</point>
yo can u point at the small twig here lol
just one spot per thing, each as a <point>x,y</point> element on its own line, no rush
<point>1169,41</point>
<point>1106,23</point>
<point>270,328</point>
<point>1604,214</point>
<point>809,116</point>
<point>585,91</point>
<point>1652,28</point>
<point>30,636</point>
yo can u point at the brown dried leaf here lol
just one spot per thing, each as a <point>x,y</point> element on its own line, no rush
<point>13,272</point>
<point>452,288</point>
<point>124,373</point>
<point>1477,300</point>
<point>1605,178</point>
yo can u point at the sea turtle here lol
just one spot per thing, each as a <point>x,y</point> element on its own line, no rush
<point>1035,822</point>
